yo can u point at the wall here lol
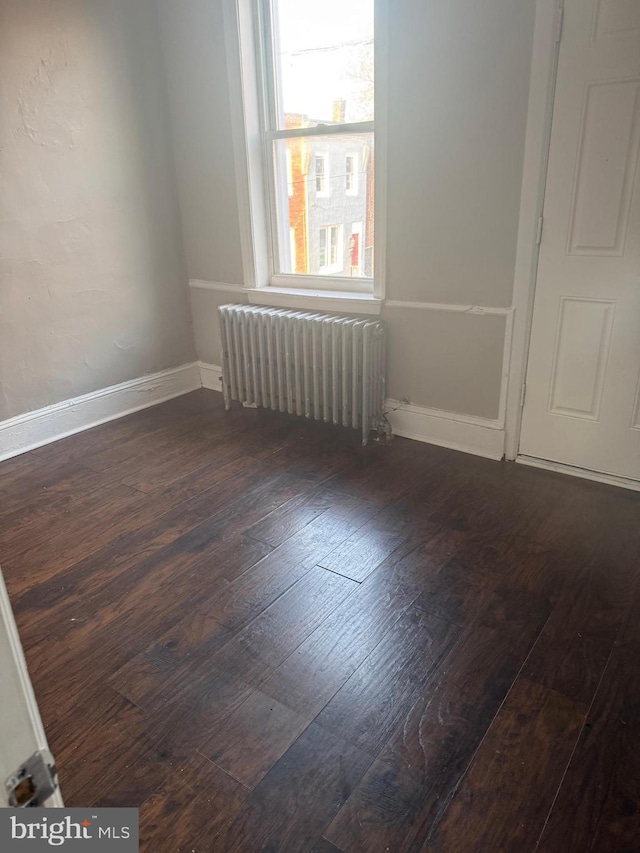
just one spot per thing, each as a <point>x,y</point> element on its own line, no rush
<point>195,62</point>
<point>93,287</point>
<point>458,89</point>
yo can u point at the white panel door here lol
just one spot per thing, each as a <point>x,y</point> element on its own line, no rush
<point>582,404</point>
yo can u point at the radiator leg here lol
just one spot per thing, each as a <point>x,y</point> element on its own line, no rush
<point>226,396</point>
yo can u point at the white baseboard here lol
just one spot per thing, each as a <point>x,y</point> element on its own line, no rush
<point>33,429</point>
<point>480,436</point>
<point>210,376</point>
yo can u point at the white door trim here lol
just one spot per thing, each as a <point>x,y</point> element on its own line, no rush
<point>544,63</point>
<point>22,727</point>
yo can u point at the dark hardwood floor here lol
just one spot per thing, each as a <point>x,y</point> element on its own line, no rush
<point>272,639</point>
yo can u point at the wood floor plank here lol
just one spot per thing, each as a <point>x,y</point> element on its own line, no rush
<point>135,550</point>
<point>29,561</point>
<point>297,798</point>
<point>597,809</point>
<point>139,676</point>
<point>251,654</point>
<point>377,696</point>
<point>324,846</point>
<point>308,678</point>
<point>83,604</point>
<point>243,599</point>
<point>150,450</point>
<point>401,794</point>
<point>291,517</point>
<point>190,808</point>
<point>459,595</point>
<point>396,647</point>
<point>376,540</point>
<point>144,422</point>
<point>124,765</point>
<point>372,477</point>
<point>572,651</point>
<point>26,480</point>
<point>266,641</point>
<point>250,741</point>
<point>505,790</point>
<point>46,509</point>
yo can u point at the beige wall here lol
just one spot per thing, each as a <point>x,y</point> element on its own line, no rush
<point>458,83</point>
<point>92,279</point>
<point>195,61</point>
<point>458,89</point>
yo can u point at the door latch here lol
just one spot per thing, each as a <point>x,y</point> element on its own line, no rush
<point>33,782</point>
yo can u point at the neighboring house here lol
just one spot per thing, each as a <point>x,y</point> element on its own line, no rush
<point>297,170</point>
<point>330,189</point>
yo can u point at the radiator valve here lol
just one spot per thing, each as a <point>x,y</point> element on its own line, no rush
<point>384,433</point>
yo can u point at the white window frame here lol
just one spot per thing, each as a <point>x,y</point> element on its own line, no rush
<point>353,174</point>
<point>245,57</point>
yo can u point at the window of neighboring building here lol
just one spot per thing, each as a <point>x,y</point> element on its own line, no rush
<point>330,248</point>
<point>322,178</point>
<point>318,130</point>
<point>351,174</point>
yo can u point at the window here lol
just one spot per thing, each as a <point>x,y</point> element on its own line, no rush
<point>330,248</point>
<point>322,183</point>
<point>351,174</point>
<point>318,139</point>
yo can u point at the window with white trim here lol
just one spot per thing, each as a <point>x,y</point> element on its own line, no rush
<point>330,249</point>
<point>351,174</point>
<point>322,178</point>
<point>317,86</point>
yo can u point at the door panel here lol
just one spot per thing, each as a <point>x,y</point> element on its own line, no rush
<point>606,168</point>
<point>580,363</point>
<point>583,376</point>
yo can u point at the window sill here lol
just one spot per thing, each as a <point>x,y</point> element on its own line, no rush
<point>316,300</point>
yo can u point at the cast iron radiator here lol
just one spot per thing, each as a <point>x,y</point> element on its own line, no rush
<point>322,366</point>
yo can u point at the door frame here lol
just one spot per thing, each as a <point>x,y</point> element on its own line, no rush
<point>542,85</point>
<point>32,721</point>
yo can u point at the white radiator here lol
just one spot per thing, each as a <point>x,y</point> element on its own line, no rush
<point>322,366</point>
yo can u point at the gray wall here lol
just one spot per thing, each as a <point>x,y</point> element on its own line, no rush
<point>93,286</point>
<point>458,89</point>
<point>195,62</point>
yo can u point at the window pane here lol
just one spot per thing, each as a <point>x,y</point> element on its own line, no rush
<point>325,227</point>
<point>322,250</point>
<point>323,56</point>
<point>321,185</point>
